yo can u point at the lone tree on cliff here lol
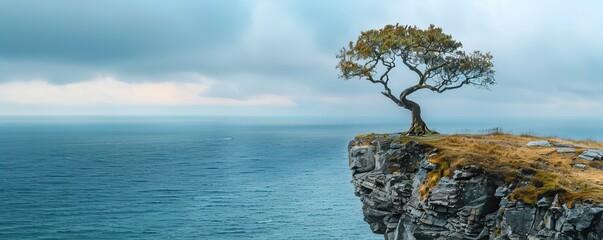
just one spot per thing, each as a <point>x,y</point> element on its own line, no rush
<point>435,57</point>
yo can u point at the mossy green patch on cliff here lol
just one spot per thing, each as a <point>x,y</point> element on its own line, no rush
<point>543,184</point>
<point>433,177</point>
<point>531,172</point>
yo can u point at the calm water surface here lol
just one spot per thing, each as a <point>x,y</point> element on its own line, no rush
<point>191,178</point>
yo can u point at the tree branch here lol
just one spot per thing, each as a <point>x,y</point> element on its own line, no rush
<point>466,81</point>
<point>389,95</point>
<point>413,68</point>
<point>429,71</point>
<point>410,66</point>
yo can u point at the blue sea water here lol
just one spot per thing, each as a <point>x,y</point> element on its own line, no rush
<point>193,177</point>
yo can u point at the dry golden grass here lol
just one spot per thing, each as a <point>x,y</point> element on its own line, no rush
<point>534,172</point>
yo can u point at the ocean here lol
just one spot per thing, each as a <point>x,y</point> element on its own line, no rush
<point>196,177</point>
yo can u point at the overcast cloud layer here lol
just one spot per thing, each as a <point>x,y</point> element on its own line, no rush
<point>278,57</point>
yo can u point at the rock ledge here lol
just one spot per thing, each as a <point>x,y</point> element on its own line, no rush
<point>388,176</point>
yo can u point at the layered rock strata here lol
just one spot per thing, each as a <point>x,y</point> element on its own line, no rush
<point>388,176</point>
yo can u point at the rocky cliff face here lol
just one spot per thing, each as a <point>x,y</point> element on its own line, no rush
<point>388,177</point>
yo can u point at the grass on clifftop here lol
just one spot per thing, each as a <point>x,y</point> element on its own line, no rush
<point>532,172</point>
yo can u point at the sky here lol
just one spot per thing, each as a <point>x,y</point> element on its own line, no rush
<point>277,58</point>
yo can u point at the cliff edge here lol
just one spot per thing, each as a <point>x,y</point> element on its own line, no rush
<point>494,186</point>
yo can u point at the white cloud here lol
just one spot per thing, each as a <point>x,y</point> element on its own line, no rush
<point>110,91</point>
<point>274,34</point>
<point>274,43</point>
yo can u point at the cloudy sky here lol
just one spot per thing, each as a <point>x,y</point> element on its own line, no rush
<point>278,57</point>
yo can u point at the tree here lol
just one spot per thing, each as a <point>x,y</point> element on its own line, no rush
<point>438,61</point>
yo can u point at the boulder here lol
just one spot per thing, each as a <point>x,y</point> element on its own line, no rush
<point>592,154</point>
<point>579,165</point>
<point>362,159</point>
<point>543,203</point>
<point>565,150</point>
<point>564,145</point>
<point>539,143</point>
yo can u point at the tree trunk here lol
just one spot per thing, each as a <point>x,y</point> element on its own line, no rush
<point>418,126</point>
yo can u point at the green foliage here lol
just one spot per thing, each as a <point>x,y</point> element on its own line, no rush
<point>543,184</point>
<point>435,57</point>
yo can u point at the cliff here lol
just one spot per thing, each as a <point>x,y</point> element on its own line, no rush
<point>495,186</point>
